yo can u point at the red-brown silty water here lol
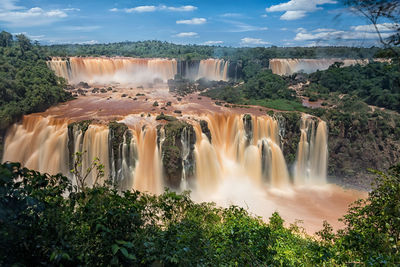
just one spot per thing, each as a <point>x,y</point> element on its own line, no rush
<point>242,164</point>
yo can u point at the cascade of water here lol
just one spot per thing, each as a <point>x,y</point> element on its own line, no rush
<point>134,70</point>
<point>243,147</point>
<point>108,70</point>
<point>213,69</point>
<point>312,152</point>
<point>186,163</point>
<point>148,174</point>
<point>39,144</point>
<point>246,144</point>
<point>288,66</point>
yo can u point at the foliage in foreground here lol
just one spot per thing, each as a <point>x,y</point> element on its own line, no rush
<point>44,220</point>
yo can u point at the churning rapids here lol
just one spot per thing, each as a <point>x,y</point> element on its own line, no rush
<point>228,155</point>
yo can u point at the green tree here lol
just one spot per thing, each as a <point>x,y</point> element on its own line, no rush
<point>373,225</point>
<point>5,39</point>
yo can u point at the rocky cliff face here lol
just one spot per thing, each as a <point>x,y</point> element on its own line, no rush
<point>177,140</point>
<point>358,144</point>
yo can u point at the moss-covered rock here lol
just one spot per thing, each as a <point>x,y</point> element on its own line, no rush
<point>176,133</point>
<point>248,127</point>
<point>289,125</point>
<point>74,127</point>
<point>118,134</point>
<point>162,116</point>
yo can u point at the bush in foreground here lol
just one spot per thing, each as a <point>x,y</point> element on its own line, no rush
<point>45,220</point>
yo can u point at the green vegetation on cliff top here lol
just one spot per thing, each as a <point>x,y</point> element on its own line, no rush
<point>26,83</point>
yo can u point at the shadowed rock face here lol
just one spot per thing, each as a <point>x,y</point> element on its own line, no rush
<point>174,160</point>
<point>205,130</point>
<point>248,127</point>
<point>78,126</point>
<point>119,134</point>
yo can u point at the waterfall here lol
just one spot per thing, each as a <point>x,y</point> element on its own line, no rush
<point>213,69</point>
<point>312,153</point>
<point>125,70</point>
<point>111,70</point>
<point>243,147</point>
<point>288,66</point>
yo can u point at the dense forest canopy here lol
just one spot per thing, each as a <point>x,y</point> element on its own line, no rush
<point>376,83</point>
<point>26,83</point>
<point>188,52</point>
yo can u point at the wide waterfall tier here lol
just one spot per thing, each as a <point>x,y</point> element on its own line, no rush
<point>199,153</point>
<point>124,70</point>
<point>118,70</point>
<point>288,66</point>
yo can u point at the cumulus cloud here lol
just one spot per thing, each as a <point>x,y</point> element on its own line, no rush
<point>292,15</point>
<point>140,9</point>
<point>384,27</point>
<point>187,34</point>
<point>324,30</point>
<point>143,9</point>
<point>253,41</point>
<point>193,21</point>
<point>331,34</point>
<point>181,8</point>
<point>213,42</point>
<point>19,16</point>
<point>296,9</point>
<point>301,29</point>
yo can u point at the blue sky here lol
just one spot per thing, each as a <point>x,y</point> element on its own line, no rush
<point>222,22</point>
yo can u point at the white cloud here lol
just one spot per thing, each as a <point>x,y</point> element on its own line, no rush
<point>243,27</point>
<point>19,16</point>
<point>253,41</point>
<point>71,9</point>
<point>324,30</point>
<point>194,21</point>
<point>264,16</point>
<point>284,29</point>
<point>232,15</point>
<point>88,42</point>
<point>292,15</point>
<point>9,5</point>
<point>331,34</point>
<point>301,29</point>
<point>213,42</point>
<point>187,34</point>
<point>296,9</point>
<point>81,28</point>
<point>32,37</point>
<point>143,9</point>
<point>182,8</point>
<point>384,27</point>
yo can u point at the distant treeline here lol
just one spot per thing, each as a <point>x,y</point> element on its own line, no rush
<point>192,52</point>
